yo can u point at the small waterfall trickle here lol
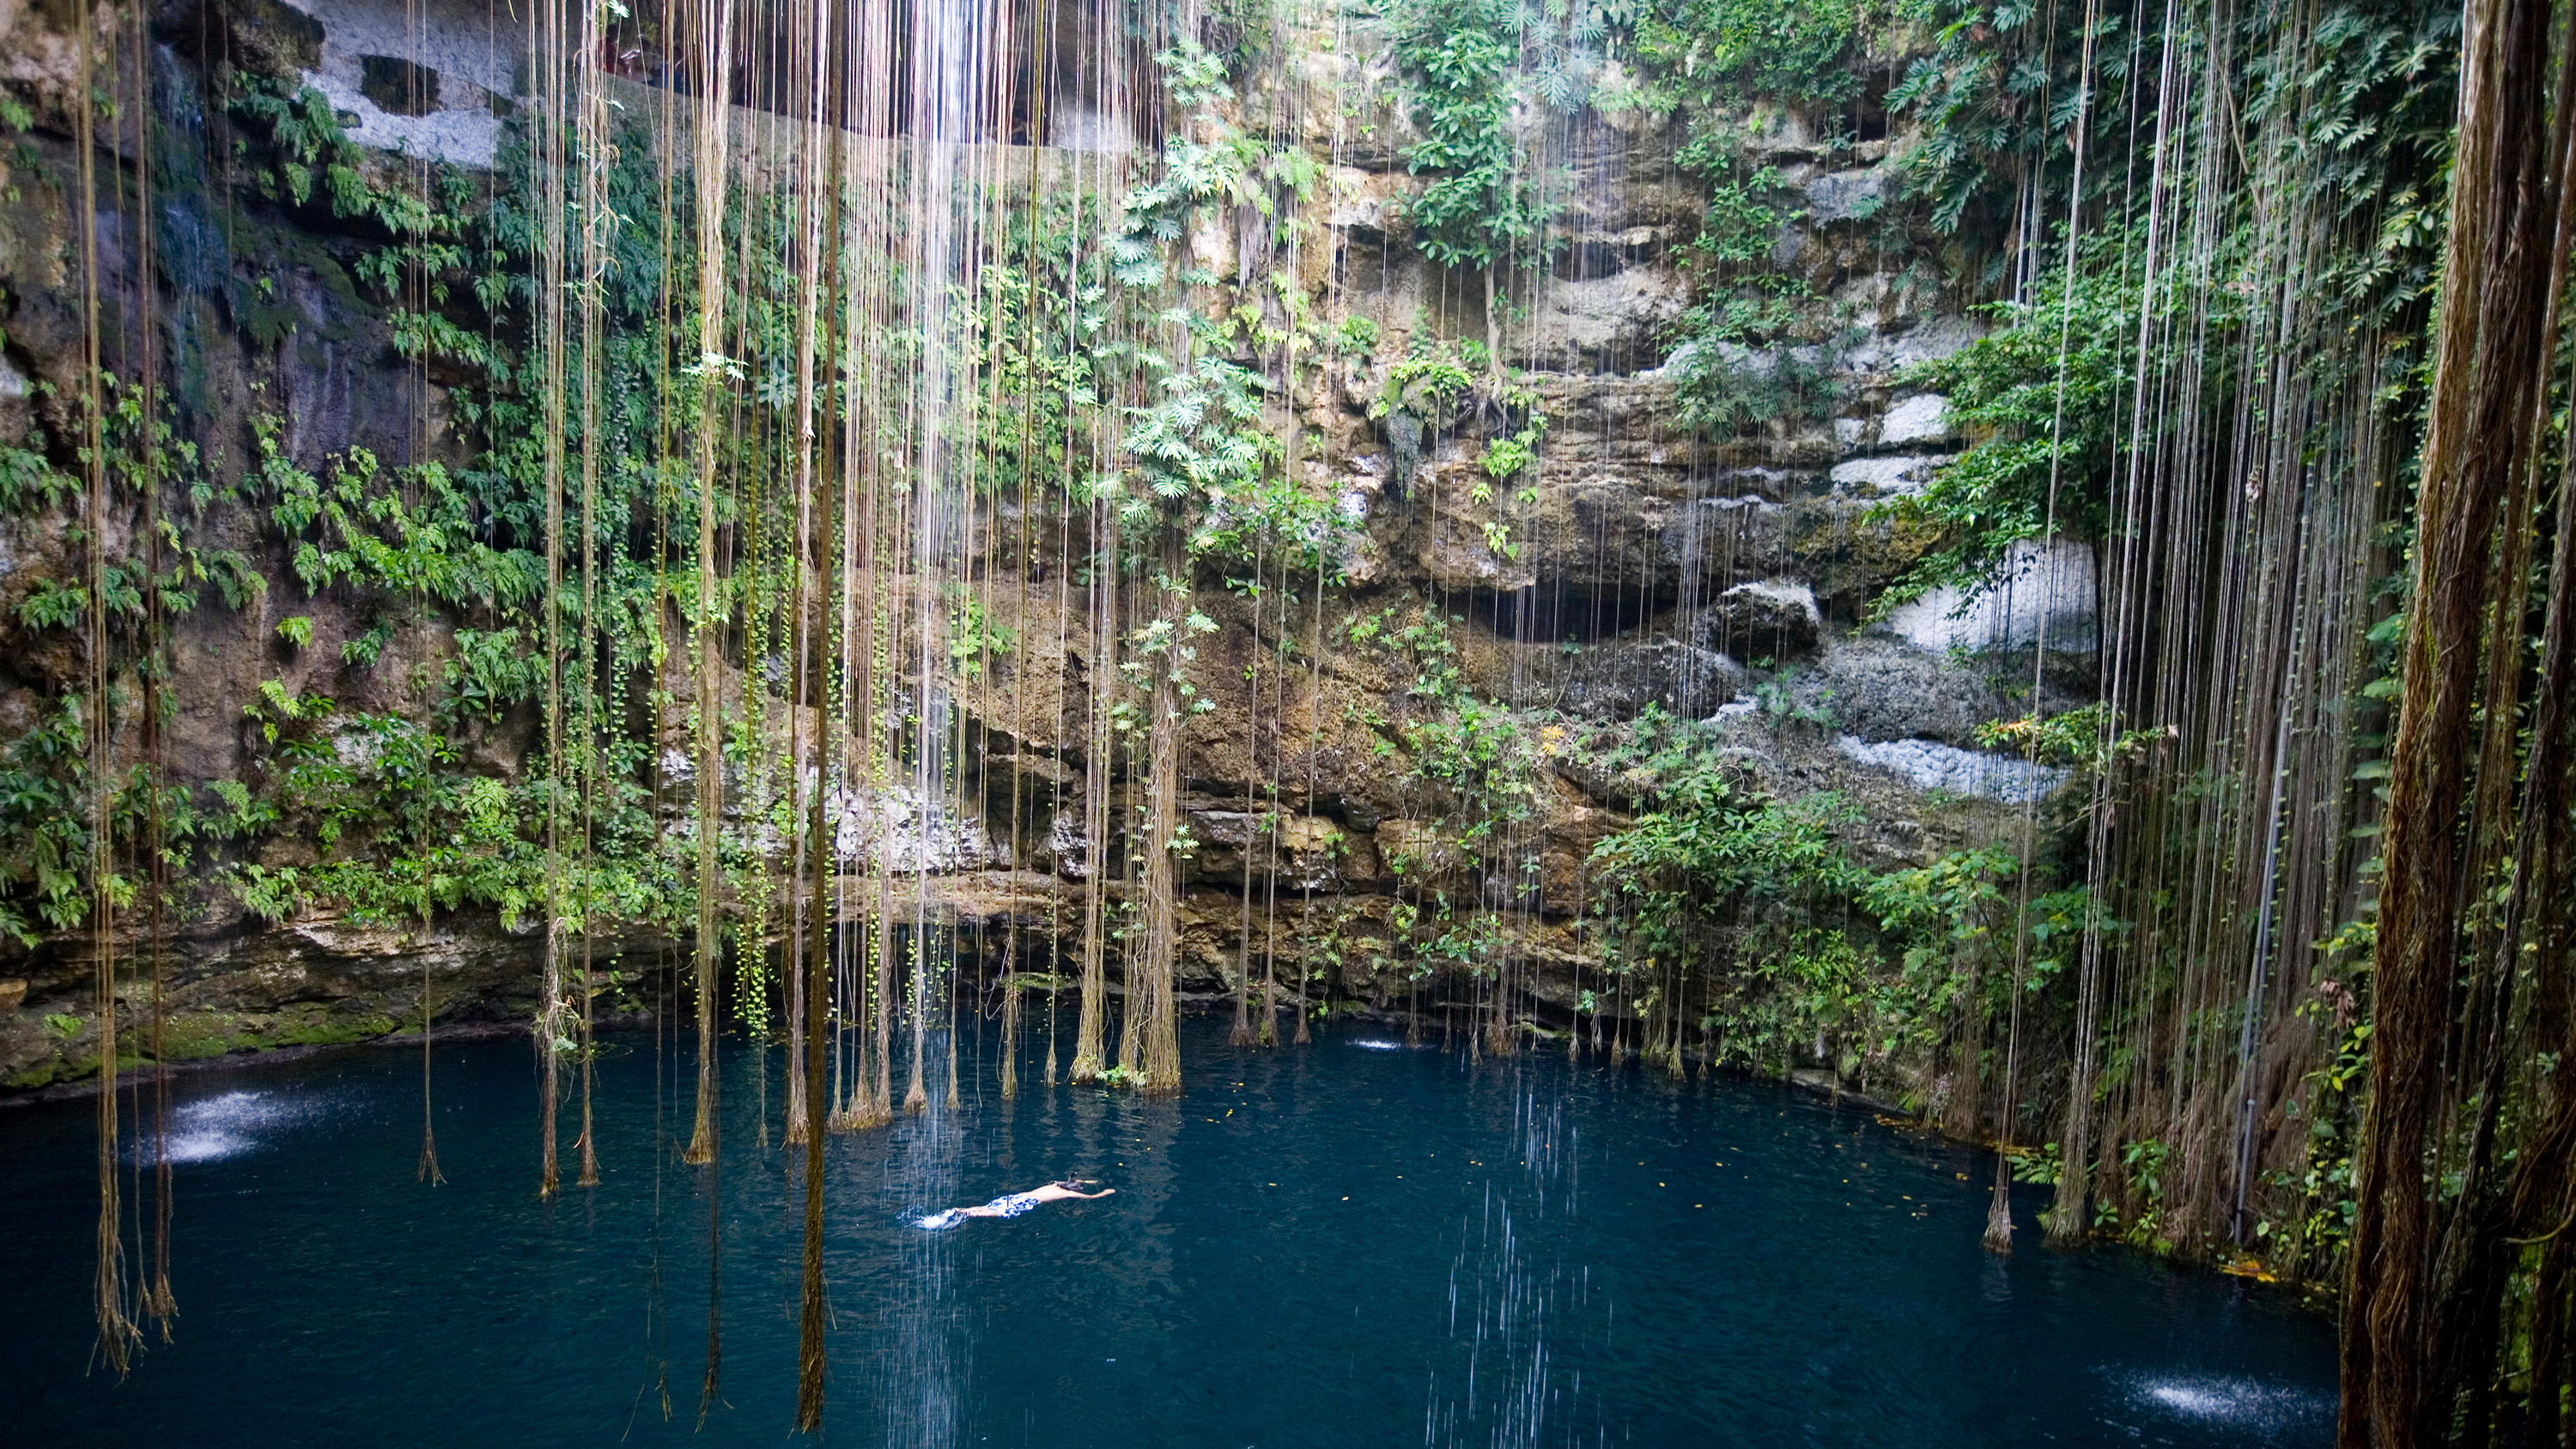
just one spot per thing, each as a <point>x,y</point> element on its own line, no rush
<point>1517,1317</point>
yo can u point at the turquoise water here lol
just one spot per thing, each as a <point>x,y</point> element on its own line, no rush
<point>1348,1244</point>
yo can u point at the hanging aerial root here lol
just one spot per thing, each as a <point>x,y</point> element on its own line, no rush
<point>1999,1224</point>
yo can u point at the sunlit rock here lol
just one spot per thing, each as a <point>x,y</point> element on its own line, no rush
<point>1934,766</point>
<point>2045,595</point>
<point>1924,417</point>
<point>1885,477</point>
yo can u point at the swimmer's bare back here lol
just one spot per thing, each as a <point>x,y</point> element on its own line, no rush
<point>1011,1205</point>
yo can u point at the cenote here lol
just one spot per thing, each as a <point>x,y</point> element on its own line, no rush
<point>1661,722</point>
<point>1346,1244</point>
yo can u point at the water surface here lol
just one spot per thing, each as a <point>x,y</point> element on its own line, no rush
<point>1349,1244</point>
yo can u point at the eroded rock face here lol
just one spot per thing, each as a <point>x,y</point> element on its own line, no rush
<point>1618,681</point>
<point>1765,619</point>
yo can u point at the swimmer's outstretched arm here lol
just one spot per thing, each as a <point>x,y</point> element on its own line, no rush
<point>1057,1192</point>
<point>1002,1207</point>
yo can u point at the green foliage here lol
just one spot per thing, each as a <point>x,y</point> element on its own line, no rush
<point>2043,1164</point>
<point>1481,200</point>
<point>2085,737</point>
<point>29,483</point>
<point>1204,439</point>
<point>312,159</point>
<point>358,528</point>
<point>1712,52</point>
<point>2142,1166</point>
<point>1748,350</point>
<point>52,604</point>
<point>1511,455</point>
<point>277,708</point>
<point>491,670</point>
<point>2045,396</point>
<point>1428,382</point>
<point>1710,849</point>
<point>305,129</point>
<point>44,827</point>
<point>1999,97</point>
<point>1949,910</point>
<point>2368,106</point>
<point>974,636</point>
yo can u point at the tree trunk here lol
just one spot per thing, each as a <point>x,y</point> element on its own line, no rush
<point>1090,1020</point>
<point>2494,285</point>
<point>1154,1062</point>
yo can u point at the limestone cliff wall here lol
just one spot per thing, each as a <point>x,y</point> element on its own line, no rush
<point>1710,578</point>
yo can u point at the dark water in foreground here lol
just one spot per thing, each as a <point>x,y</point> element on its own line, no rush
<point>1351,1244</point>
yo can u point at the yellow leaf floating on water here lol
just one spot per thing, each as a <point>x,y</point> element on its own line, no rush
<point>2248,1268</point>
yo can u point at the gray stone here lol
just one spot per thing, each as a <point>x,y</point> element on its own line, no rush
<point>1846,195</point>
<point>1618,681</point>
<point>1933,766</point>
<point>1601,323</point>
<point>2046,596</point>
<point>1928,340</point>
<point>462,56</point>
<point>1772,618</point>
<point>1921,418</point>
<point>1878,688</point>
<point>1885,477</point>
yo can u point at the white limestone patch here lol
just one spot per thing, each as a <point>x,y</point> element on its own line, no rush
<point>2046,597</point>
<point>473,48</point>
<point>1929,340</point>
<point>1923,417</point>
<point>1886,477</point>
<point>464,137</point>
<point>1933,766</point>
<point>1068,846</point>
<point>907,833</point>
<point>468,40</point>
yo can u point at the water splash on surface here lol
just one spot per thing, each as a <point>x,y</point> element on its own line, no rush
<point>213,1129</point>
<point>1505,1304</point>
<point>2244,1404</point>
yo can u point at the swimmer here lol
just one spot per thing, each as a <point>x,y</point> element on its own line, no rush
<point>1011,1205</point>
